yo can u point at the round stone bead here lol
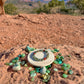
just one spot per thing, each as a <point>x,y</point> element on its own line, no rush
<point>16,67</point>
<point>30,68</point>
<point>17,58</point>
<point>70,72</point>
<point>64,75</point>
<point>14,61</point>
<point>32,79</point>
<point>23,55</point>
<point>57,50</point>
<point>61,57</point>
<point>33,74</point>
<point>32,71</point>
<point>53,51</point>
<point>10,64</point>
<point>55,69</point>
<point>59,54</point>
<point>64,64</point>
<point>68,66</point>
<point>60,62</point>
<point>56,62</point>
<point>23,63</point>
<point>37,70</point>
<point>48,71</point>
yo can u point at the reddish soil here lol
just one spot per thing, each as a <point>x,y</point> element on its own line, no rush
<point>42,31</point>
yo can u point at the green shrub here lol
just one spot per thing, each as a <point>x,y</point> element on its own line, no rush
<point>10,9</point>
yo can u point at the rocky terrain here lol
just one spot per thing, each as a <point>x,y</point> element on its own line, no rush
<point>42,31</point>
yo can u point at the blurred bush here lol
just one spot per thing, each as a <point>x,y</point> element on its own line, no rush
<point>10,9</point>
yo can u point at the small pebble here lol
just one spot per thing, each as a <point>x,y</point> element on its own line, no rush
<point>70,72</point>
<point>23,55</point>
<point>17,58</point>
<point>30,68</point>
<point>10,64</point>
<point>55,69</point>
<point>48,71</point>
<point>65,75</point>
<point>26,65</point>
<point>32,79</point>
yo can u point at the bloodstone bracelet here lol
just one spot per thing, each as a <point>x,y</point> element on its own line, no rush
<point>37,59</point>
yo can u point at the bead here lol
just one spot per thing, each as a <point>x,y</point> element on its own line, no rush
<point>14,61</point>
<point>32,79</point>
<point>37,70</point>
<point>64,65</point>
<point>45,77</point>
<point>60,62</point>
<point>56,62</point>
<point>43,70</point>
<point>48,71</point>
<point>53,51</point>
<point>23,63</point>
<point>17,58</point>
<point>64,75</point>
<point>32,71</point>
<point>33,74</point>
<point>55,69</point>
<point>70,72</point>
<point>19,55</point>
<point>61,57</point>
<point>68,66</point>
<point>30,68</point>
<point>57,50</point>
<point>16,67</point>
<point>59,54</point>
<point>10,64</point>
<point>6,63</point>
<point>65,72</point>
<point>23,55</point>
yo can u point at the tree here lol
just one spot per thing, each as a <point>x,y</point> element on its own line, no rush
<point>79,4</point>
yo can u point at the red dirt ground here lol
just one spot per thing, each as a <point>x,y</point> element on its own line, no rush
<point>42,31</point>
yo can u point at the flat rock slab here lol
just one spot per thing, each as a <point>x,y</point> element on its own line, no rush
<point>43,63</point>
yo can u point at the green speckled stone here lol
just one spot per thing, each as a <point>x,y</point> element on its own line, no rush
<point>57,56</point>
<point>6,63</point>
<point>17,58</point>
<point>64,65</point>
<point>23,63</point>
<point>55,69</point>
<point>32,71</point>
<point>48,71</point>
<point>32,79</point>
<point>56,62</point>
<point>61,57</point>
<point>70,72</point>
<point>64,75</point>
<point>26,65</point>
<point>33,74</point>
<point>14,61</point>
<point>37,70</point>
<point>53,51</point>
<point>10,64</point>
<point>23,55</point>
<point>60,62</point>
<point>68,66</point>
<point>57,50</point>
<point>30,68</point>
